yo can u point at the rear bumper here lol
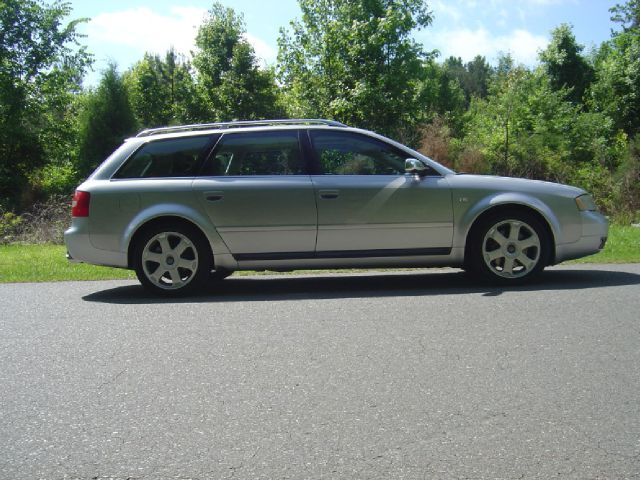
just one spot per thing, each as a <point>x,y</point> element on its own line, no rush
<point>71,259</point>
<point>81,250</point>
<point>595,231</point>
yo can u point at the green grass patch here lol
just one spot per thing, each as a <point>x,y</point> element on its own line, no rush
<point>47,263</point>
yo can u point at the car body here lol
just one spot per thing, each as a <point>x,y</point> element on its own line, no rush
<point>183,204</point>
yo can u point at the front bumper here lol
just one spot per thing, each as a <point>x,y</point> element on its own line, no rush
<point>595,231</point>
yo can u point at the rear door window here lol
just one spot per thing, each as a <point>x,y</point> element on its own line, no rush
<point>256,153</point>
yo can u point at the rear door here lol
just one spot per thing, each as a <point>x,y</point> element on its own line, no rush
<point>257,194</point>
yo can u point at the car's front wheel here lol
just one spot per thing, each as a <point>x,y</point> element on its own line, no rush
<point>509,248</point>
<point>172,259</point>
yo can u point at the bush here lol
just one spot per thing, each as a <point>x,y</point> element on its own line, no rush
<point>596,180</point>
<point>9,224</point>
<point>472,160</point>
<point>43,223</point>
<point>54,180</point>
<point>627,180</point>
<point>435,142</point>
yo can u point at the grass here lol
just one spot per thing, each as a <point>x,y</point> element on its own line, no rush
<point>47,263</point>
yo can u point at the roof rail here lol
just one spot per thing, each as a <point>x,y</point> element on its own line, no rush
<point>239,124</point>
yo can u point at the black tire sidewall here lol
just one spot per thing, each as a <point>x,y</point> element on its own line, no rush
<point>477,262</point>
<point>202,249</point>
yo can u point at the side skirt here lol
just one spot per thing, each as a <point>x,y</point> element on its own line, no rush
<point>343,254</point>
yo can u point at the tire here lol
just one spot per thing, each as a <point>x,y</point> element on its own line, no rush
<point>509,248</point>
<point>220,274</point>
<point>172,260</point>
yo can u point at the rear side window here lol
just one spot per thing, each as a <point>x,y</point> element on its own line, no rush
<point>177,157</point>
<point>256,153</point>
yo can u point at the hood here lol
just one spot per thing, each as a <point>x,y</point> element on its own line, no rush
<point>510,184</point>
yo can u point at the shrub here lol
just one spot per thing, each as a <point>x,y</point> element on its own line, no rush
<point>435,142</point>
<point>45,222</point>
<point>9,224</point>
<point>472,160</point>
<point>627,180</point>
<point>52,180</point>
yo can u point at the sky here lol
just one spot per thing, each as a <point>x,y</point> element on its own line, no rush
<point>123,30</point>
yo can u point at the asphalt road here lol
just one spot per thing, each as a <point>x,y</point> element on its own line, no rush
<point>406,375</point>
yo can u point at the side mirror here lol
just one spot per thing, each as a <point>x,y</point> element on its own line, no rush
<point>414,166</point>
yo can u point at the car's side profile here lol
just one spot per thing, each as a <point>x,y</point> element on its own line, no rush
<point>181,205</point>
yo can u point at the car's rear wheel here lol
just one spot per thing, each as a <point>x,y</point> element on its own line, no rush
<point>172,259</point>
<point>509,248</point>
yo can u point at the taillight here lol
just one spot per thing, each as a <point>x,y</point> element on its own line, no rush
<point>80,204</point>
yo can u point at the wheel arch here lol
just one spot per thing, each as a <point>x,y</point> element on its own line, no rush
<point>162,219</point>
<point>180,213</point>
<point>548,221</point>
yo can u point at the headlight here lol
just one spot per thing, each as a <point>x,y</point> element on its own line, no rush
<point>585,202</point>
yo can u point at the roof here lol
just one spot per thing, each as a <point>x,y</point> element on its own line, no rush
<point>239,124</point>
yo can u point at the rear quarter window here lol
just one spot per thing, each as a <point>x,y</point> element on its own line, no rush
<point>176,157</point>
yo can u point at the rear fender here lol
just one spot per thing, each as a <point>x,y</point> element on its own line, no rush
<point>221,253</point>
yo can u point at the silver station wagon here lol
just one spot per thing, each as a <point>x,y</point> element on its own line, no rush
<point>185,205</point>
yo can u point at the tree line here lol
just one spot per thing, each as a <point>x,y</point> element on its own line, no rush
<point>574,118</point>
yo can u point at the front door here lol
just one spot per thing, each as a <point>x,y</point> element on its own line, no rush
<point>368,206</point>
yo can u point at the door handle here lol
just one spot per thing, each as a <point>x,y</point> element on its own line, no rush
<point>329,194</point>
<point>213,196</point>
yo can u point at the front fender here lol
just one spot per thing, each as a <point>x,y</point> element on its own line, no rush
<point>467,218</point>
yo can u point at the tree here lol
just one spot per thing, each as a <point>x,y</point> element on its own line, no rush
<point>566,67</point>
<point>105,121</point>
<point>41,66</point>
<point>478,76</point>
<point>527,128</point>
<point>473,77</point>
<point>355,61</point>
<point>441,96</point>
<point>163,92</point>
<point>229,80</point>
<point>627,15</point>
<point>616,91</point>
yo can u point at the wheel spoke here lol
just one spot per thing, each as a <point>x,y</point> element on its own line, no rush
<point>181,247</point>
<point>176,280</point>
<point>514,231</point>
<point>532,241</point>
<point>508,266</point>
<point>156,276</point>
<point>191,265</point>
<point>526,262</point>
<point>493,255</point>
<point>149,256</point>
<point>498,237</point>
<point>164,244</point>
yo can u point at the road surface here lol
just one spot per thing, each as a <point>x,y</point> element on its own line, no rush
<point>404,375</point>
